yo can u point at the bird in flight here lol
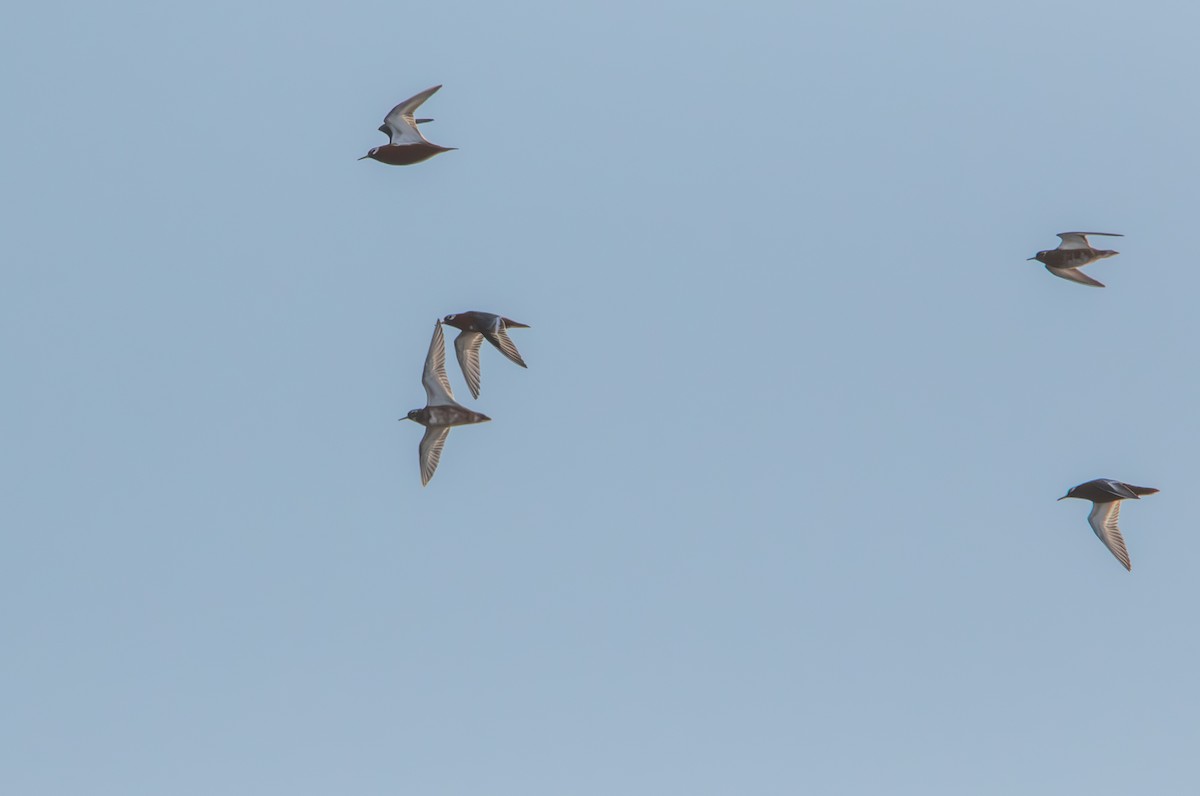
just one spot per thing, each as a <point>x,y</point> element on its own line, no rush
<point>441,412</point>
<point>1072,254</point>
<point>406,145</point>
<point>1106,496</point>
<point>475,327</point>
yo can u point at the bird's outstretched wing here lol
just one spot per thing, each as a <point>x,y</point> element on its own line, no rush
<point>466,346</point>
<point>430,450</point>
<point>437,384</point>
<point>498,337</point>
<point>1103,520</point>
<point>1118,489</point>
<point>1078,240</point>
<point>400,126</point>
<point>1075,275</point>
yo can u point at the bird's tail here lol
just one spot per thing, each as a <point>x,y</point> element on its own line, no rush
<point>1142,490</point>
<point>514,325</point>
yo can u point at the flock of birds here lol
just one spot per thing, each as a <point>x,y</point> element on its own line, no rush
<point>406,145</point>
<point>442,412</point>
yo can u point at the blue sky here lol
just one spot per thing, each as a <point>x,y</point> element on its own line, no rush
<point>772,509</point>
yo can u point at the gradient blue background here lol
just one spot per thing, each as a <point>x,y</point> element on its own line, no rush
<point>772,509</point>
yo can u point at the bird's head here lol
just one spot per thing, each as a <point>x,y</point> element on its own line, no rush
<point>370,154</point>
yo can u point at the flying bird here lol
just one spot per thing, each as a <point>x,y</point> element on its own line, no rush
<point>1106,496</point>
<point>406,145</point>
<point>441,412</point>
<point>1072,254</point>
<point>475,327</point>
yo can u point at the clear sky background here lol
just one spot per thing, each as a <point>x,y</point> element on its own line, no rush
<point>772,511</point>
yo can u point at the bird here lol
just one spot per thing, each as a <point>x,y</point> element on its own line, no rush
<point>1106,496</point>
<point>1073,253</point>
<point>406,145</point>
<point>441,412</point>
<point>475,327</point>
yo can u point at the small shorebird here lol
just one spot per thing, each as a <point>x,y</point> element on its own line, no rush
<point>441,411</point>
<point>1073,253</point>
<point>406,145</point>
<point>1106,496</point>
<point>475,327</point>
